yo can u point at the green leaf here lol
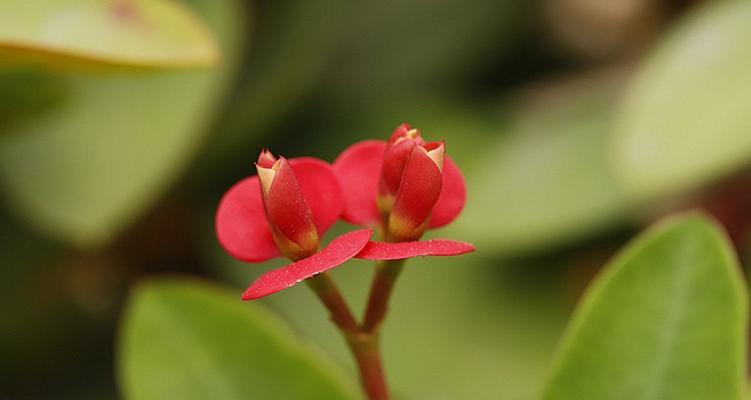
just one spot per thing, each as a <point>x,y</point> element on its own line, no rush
<point>84,169</point>
<point>182,339</point>
<point>295,42</point>
<point>665,320</point>
<point>546,183</point>
<point>685,121</point>
<point>143,33</point>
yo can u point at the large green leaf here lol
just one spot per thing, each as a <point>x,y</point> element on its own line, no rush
<point>142,33</point>
<point>85,168</point>
<point>187,340</point>
<point>546,182</point>
<point>665,320</point>
<point>295,39</point>
<point>686,120</point>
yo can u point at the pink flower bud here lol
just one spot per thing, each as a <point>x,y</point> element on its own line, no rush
<point>288,214</point>
<point>419,188</point>
<point>403,185</point>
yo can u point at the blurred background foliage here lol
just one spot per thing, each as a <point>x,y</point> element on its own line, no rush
<point>576,123</point>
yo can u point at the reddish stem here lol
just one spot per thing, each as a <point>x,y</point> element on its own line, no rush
<point>326,289</point>
<point>367,353</point>
<point>380,293</point>
<point>364,346</point>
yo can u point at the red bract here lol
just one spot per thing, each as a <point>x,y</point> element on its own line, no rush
<point>284,211</point>
<point>398,251</point>
<point>404,186</point>
<point>338,251</point>
<point>359,170</point>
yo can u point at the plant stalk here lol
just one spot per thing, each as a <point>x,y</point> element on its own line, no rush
<point>380,293</point>
<point>325,288</point>
<point>363,340</point>
<point>364,346</point>
<point>366,349</point>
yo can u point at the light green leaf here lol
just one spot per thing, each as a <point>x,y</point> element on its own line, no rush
<point>665,320</point>
<point>183,339</point>
<point>84,169</point>
<point>144,33</point>
<point>686,120</point>
<point>546,182</point>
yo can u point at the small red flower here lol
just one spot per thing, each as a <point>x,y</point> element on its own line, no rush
<point>403,186</point>
<point>285,210</point>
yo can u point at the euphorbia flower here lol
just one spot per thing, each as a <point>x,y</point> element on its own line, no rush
<point>402,186</point>
<point>285,210</point>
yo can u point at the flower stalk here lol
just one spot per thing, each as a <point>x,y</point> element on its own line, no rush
<point>363,343</point>
<point>380,292</point>
<point>399,188</point>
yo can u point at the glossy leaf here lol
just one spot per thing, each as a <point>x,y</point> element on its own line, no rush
<point>143,33</point>
<point>685,121</point>
<point>190,340</point>
<point>85,168</point>
<point>665,320</point>
<point>547,182</point>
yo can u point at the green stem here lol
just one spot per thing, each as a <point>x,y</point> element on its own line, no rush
<point>380,293</point>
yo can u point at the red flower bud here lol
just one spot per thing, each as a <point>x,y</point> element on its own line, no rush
<point>286,209</point>
<point>419,188</point>
<point>404,186</point>
<point>289,216</point>
<point>266,159</point>
<point>373,172</point>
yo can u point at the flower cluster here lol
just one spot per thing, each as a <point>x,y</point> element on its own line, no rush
<point>400,188</point>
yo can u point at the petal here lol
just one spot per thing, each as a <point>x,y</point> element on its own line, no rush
<point>338,251</point>
<point>394,160</point>
<point>288,210</point>
<point>241,223</point>
<point>321,189</point>
<point>400,132</point>
<point>453,195</point>
<point>418,192</point>
<point>401,250</point>
<point>359,170</point>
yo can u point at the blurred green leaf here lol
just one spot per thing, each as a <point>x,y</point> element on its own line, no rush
<point>546,183</point>
<point>84,169</point>
<point>665,320</point>
<point>295,40</point>
<point>686,120</point>
<point>24,92</point>
<point>183,339</point>
<point>143,33</point>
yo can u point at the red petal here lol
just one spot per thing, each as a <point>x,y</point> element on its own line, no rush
<point>338,251</point>
<point>398,251</point>
<point>241,223</point>
<point>288,209</point>
<point>453,195</point>
<point>359,170</point>
<point>321,189</point>
<point>418,192</point>
<point>394,160</point>
<point>399,132</point>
